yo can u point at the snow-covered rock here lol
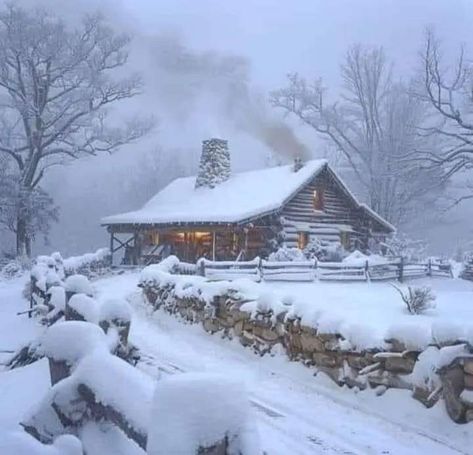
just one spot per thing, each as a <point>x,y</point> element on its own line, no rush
<point>431,360</point>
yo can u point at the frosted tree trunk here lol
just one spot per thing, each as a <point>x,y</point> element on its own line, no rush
<point>23,241</point>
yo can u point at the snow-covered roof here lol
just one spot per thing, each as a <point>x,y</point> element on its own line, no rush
<point>245,195</point>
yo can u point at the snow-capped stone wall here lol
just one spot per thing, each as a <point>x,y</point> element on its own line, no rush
<point>442,370</point>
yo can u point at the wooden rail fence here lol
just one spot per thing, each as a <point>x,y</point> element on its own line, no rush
<point>262,270</point>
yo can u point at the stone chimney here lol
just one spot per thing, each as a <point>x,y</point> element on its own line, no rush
<point>214,167</point>
<point>298,163</point>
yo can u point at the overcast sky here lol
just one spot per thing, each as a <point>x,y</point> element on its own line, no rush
<point>310,36</point>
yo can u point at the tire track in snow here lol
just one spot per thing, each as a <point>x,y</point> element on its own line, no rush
<point>313,388</point>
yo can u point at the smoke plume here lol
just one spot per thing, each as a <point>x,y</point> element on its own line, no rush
<point>186,81</point>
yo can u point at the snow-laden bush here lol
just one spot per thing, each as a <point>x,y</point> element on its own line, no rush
<point>11,267</point>
<point>285,254</point>
<point>358,258</point>
<point>417,299</point>
<point>11,270</point>
<point>324,251</point>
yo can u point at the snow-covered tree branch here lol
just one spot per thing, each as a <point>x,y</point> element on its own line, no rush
<point>448,89</point>
<point>56,84</point>
<point>373,125</point>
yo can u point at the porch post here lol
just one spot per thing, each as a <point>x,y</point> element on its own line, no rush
<point>136,252</point>
<point>111,245</point>
<point>213,245</point>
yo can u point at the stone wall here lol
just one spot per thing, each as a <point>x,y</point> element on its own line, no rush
<point>451,365</point>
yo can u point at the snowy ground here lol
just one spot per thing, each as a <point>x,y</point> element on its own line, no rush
<point>295,413</point>
<point>367,313</point>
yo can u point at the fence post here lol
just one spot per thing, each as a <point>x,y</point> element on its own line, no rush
<point>401,269</point>
<point>32,290</point>
<point>367,273</point>
<point>429,267</point>
<point>316,275</point>
<point>201,266</point>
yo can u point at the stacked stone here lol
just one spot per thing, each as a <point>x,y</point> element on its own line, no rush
<point>467,272</point>
<point>468,388</point>
<point>457,385</point>
<point>214,167</point>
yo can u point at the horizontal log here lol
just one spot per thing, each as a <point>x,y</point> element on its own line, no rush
<point>102,411</point>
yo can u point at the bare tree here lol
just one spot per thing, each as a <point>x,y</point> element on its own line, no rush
<point>448,89</point>
<point>373,125</point>
<point>55,86</point>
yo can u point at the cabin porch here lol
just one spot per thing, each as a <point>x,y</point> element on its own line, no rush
<point>148,245</point>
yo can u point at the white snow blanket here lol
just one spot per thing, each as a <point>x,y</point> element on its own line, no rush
<point>72,340</point>
<point>198,410</point>
<point>20,443</point>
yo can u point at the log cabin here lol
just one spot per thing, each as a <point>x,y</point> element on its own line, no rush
<point>225,216</point>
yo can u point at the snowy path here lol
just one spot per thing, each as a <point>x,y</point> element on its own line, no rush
<point>295,413</point>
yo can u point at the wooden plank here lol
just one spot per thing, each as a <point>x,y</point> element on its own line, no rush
<point>102,411</point>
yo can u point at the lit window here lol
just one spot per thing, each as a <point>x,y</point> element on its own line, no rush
<point>302,240</point>
<point>318,199</point>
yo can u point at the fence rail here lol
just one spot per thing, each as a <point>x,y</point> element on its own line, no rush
<point>230,270</point>
<point>257,270</point>
<point>288,271</point>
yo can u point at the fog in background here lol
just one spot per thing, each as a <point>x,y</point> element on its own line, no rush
<point>208,67</point>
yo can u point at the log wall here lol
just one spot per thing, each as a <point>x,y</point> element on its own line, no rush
<point>339,214</point>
